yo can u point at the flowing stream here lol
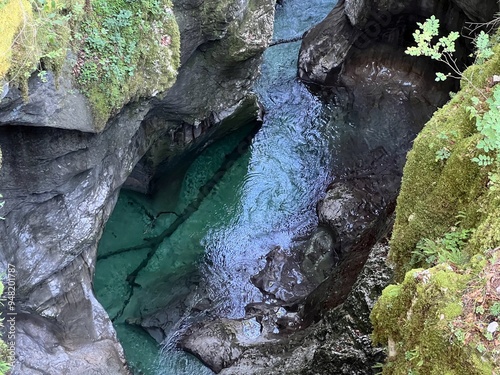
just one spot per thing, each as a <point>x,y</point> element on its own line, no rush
<point>200,238</point>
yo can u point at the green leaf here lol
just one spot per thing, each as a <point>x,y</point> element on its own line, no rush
<point>440,77</point>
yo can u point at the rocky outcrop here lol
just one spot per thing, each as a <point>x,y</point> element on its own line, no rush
<point>352,26</point>
<point>60,182</point>
<point>384,100</point>
<point>60,185</point>
<point>53,103</point>
<point>290,275</point>
<point>208,87</point>
<point>338,344</point>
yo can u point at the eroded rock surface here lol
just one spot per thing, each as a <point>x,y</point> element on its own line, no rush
<point>60,185</point>
<point>388,99</point>
<point>55,103</point>
<point>290,275</point>
<point>338,344</point>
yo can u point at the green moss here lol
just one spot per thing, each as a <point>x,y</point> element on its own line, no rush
<point>129,49</point>
<point>125,49</point>
<point>434,192</point>
<point>431,321</point>
<point>42,41</point>
<point>416,316</point>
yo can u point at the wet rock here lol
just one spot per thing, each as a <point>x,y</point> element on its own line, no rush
<point>338,344</point>
<point>282,277</point>
<point>59,186</point>
<point>325,46</point>
<point>219,344</point>
<point>290,275</point>
<point>321,254</point>
<point>356,25</point>
<point>357,11</point>
<point>347,209</point>
<point>274,318</point>
<point>479,11</point>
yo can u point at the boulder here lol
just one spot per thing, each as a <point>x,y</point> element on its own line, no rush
<point>290,275</point>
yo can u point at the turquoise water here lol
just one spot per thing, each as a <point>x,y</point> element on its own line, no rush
<point>169,252</point>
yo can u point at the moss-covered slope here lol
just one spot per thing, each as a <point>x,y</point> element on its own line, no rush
<point>448,220</point>
<point>434,192</point>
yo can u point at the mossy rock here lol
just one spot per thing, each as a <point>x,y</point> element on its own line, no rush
<point>421,319</point>
<point>13,15</point>
<point>414,317</point>
<point>129,49</point>
<point>434,191</point>
<point>125,49</point>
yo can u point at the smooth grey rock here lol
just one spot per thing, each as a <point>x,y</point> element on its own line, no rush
<point>218,344</point>
<point>59,186</point>
<point>56,103</point>
<point>325,46</point>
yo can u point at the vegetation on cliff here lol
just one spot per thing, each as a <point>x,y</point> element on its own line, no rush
<point>444,319</point>
<point>120,49</point>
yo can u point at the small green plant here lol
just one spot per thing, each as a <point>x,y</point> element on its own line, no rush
<point>488,336</point>
<point>460,335</point>
<point>444,48</point>
<point>480,309</point>
<point>495,309</point>
<point>483,47</point>
<point>443,154</point>
<point>488,125</point>
<point>481,348</point>
<point>445,249</point>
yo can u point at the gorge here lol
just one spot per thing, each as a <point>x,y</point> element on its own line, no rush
<point>242,215</point>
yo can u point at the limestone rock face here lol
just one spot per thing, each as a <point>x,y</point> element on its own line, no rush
<point>60,186</point>
<point>60,180</point>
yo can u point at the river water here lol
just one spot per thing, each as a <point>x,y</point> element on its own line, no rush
<point>265,197</point>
